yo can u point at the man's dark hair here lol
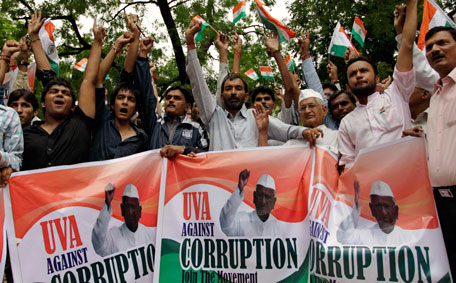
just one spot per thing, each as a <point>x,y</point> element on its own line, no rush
<point>187,95</point>
<point>26,94</point>
<point>365,59</point>
<point>332,97</point>
<point>233,77</point>
<point>331,86</point>
<point>262,89</point>
<point>435,30</point>
<point>124,86</point>
<point>60,82</point>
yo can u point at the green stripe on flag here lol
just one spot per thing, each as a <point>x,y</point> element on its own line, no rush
<point>54,66</point>
<point>240,16</point>
<point>358,38</point>
<point>338,50</point>
<point>199,36</point>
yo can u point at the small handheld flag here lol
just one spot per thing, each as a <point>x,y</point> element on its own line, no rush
<point>252,74</point>
<point>339,42</point>
<point>358,31</point>
<point>81,65</point>
<point>48,44</point>
<point>239,12</point>
<point>199,36</point>
<point>433,16</point>
<point>285,34</point>
<point>266,72</point>
<point>290,63</point>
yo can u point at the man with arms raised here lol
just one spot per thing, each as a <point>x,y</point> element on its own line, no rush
<point>64,137</point>
<point>232,126</point>
<point>379,117</point>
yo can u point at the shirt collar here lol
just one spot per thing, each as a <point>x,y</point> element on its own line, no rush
<point>242,112</point>
<point>451,76</point>
<point>179,119</point>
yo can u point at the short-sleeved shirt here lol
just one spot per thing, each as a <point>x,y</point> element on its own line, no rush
<point>68,144</point>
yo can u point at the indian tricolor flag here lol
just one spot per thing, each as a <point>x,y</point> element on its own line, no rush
<point>199,36</point>
<point>252,74</point>
<point>266,72</point>
<point>290,63</point>
<point>271,23</point>
<point>47,42</point>
<point>81,65</point>
<point>358,31</point>
<point>239,12</point>
<point>339,42</point>
<point>433,16</point>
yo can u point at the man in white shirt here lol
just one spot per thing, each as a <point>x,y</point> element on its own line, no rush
<point>384,209</point>
<point>312,111</point>
<point>259,222</point>
<point>127,236</point>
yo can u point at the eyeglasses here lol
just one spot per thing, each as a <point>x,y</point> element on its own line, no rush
<point>388,208</point>
<point>311,107</point>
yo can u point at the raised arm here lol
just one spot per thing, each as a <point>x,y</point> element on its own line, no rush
<point>222,44</point>
<point>204,100</point>
<point>87,90</point>
<point>106,64</point>
<point>273,49</point>
<point>237,46</point>
<point>9,48</point>
<point>34,25</point>
<point>405,57</point>
<point>133,25</point>
<point>153,68</point>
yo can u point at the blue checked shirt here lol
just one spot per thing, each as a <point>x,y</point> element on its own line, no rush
<point>11,139</point>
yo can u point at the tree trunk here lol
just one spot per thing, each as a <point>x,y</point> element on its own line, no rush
<point>175,40</point>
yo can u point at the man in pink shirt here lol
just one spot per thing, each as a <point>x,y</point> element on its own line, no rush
<point>379,117</point>
<point>441,132</point>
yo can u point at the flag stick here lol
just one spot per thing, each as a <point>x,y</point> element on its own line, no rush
<point>213,29</point>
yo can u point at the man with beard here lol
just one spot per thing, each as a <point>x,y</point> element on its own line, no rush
<point>233,126</point>
<point>379,117</point>
<point>384,209</point>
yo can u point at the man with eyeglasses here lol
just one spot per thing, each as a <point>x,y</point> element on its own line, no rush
<point>312,111</point>
<point>259,222</point>
<point>384,209</point>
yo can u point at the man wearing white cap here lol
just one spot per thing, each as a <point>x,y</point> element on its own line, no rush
<point>384,209</point>
<point>130,234</point>
<point>259,222</point>
<point>312,111</point>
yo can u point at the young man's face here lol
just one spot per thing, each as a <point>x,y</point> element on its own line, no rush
<point>175,104</point>
<point>267,102</point>
<point>361,78</point>
<point>124,105</point>
<point>25,111</point>
<point>233,94</point>
<point>311,112</point>
<point>441,52</point>
<point>58,102</point>
<point>341,106</point>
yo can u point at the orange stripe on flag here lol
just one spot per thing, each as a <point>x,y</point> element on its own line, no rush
<point>238,6</point>
<point>342,30</point>
<point>428,13</point>
<point>50,30</point>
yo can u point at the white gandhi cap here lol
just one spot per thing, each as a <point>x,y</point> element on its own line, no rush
<point>130,191</point>
<point>308,93</point>
<point>266,181</point>
<point>382,189</point>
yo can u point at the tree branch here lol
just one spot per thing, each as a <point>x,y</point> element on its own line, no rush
<point>177,4</point>
<point>71,19</point>
<point>128,5</point>
<point>27,5</point>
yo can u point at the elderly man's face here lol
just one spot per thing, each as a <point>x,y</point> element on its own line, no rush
<point>264,199</point>
<point>311,112</point>
<point>385,210</point>
<point>131,211</point>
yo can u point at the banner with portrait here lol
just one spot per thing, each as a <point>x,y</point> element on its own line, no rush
<point>379,222</point>
<point>237,216</point>
<point>92,222</point>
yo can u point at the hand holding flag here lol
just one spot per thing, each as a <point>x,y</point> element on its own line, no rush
<point>199,36</point>
<point>193,28</point>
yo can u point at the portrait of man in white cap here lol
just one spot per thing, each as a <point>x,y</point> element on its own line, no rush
<point>130,234</point>
<point>384,209</point>
<point>259,222</point>
<point>312,111</point>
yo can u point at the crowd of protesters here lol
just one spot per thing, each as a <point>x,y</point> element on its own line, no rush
<point>419,99</point>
